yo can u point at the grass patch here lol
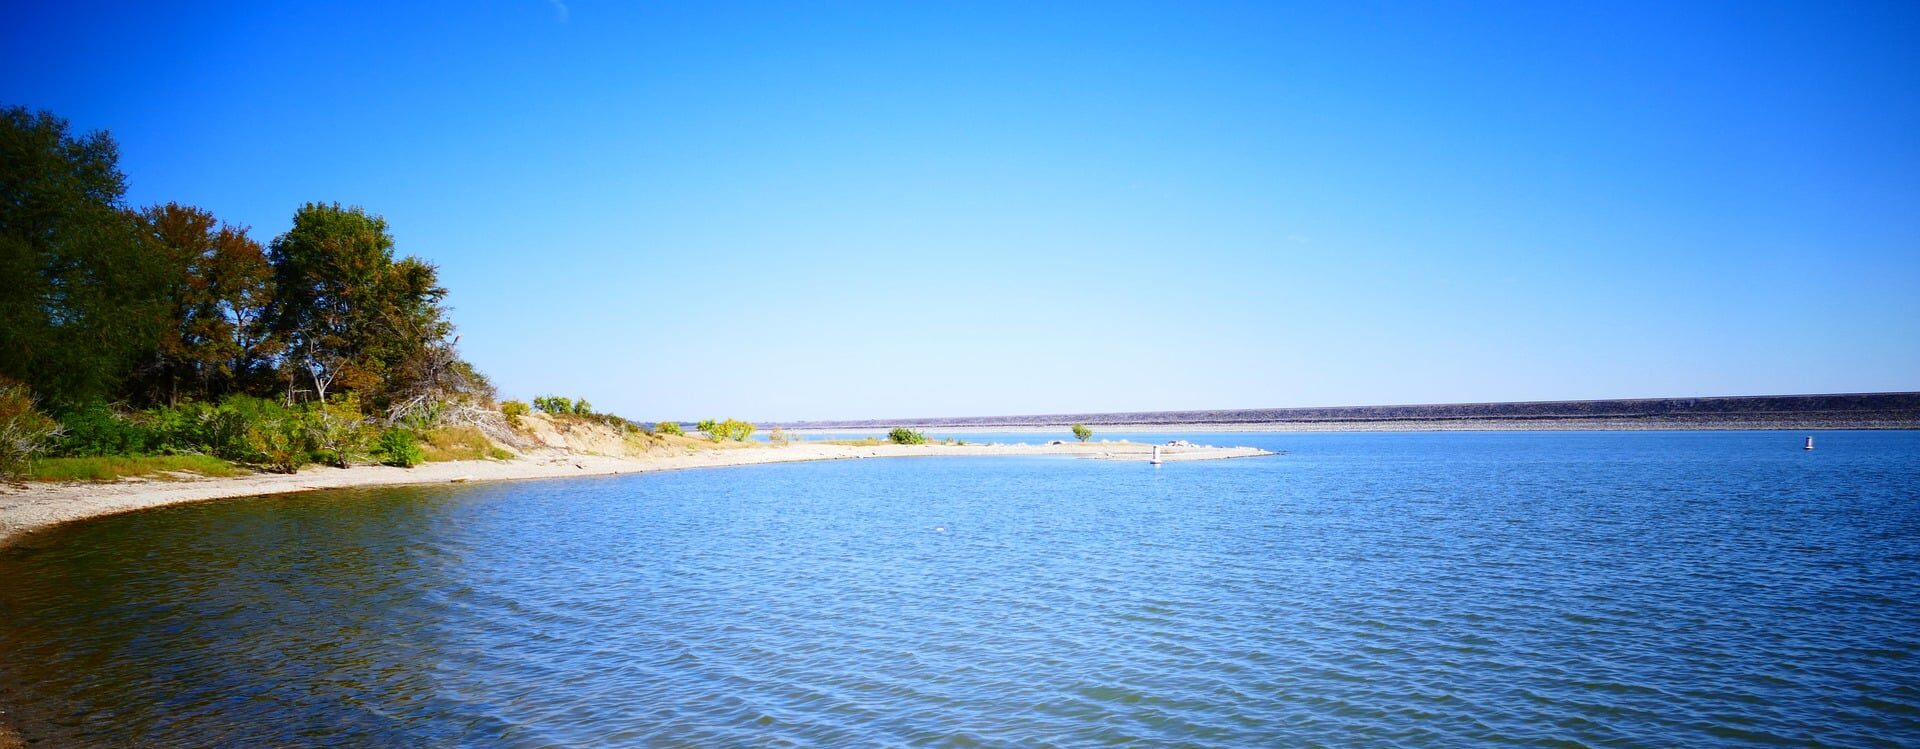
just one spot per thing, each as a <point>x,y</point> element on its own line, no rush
<point>459,443</point>
<point>116,467</point>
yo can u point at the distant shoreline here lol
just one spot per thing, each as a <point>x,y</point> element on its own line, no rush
<point>1766,412</point>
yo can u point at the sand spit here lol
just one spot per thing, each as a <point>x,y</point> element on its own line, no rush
<point>37,506</point>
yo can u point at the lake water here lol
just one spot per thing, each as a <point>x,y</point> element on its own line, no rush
<point>1519,589</point>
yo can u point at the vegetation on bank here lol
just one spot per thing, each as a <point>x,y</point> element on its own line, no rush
<point>729,429</point>
<point>514,411</point>
<point>161,340</point>
<point>113,468</point>
<point>164,332</point>
<point>1082,433</point>
<point>905,436</point>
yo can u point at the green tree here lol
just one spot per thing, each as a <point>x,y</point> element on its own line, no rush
<point>1082,433</point>
<point>81,299</point>
<point>355,319</point>
<point>219,284</point>
<point>329,271</point>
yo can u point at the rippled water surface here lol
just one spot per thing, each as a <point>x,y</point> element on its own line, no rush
<point>1639,589</point>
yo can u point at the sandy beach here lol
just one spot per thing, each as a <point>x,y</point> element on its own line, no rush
<point>33,507</point>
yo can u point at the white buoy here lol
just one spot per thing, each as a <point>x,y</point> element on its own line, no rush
<point>1809,442</point>
<point>1156,455</point>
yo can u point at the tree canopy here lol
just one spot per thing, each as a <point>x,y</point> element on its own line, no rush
<point>84,297</point>
<point>104,303</point>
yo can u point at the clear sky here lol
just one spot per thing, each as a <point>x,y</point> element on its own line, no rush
<point>835,210</point>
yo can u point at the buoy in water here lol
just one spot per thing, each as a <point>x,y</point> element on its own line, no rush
<point>1156,455</point>
<point>1809,442</point>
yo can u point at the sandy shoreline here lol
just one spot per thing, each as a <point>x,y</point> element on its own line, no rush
<point>24,510</point>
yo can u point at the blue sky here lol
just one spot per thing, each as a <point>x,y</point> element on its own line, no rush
<point>842,210</point>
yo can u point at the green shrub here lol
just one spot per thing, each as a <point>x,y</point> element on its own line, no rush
<point>400,448</point>
<point>280,439</point>
<point>513,410</point>
<point>905,436</point>
<point>669,427</point>
<point>216,430</point>
<point>168,430</point>
<point>24,431</point>
<point>730,429</point>
<point>196,428</point>
<point>340,434</point>
<point>1081,432</point>
<point>95,429</point>
<point>558,406</point>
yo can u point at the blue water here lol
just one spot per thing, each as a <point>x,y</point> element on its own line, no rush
<point>1474,589</point>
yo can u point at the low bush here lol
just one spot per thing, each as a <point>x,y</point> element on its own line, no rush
<point>94,429</point>
<point>196,428</point>
<point>279,439</point>
<point>905,436</point>
<point>341,435</point>
<point>24,431</point>
<point>730,429</point>
<point>1081,432</point>
<point>400,448</point>
<point>558,406</point>
<point>513,410</point>
<point>669,427</point>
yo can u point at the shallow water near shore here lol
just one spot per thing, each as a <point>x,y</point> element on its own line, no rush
<point>1461,589</point>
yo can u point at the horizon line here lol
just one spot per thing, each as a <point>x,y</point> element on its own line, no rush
<point>907,420</point>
